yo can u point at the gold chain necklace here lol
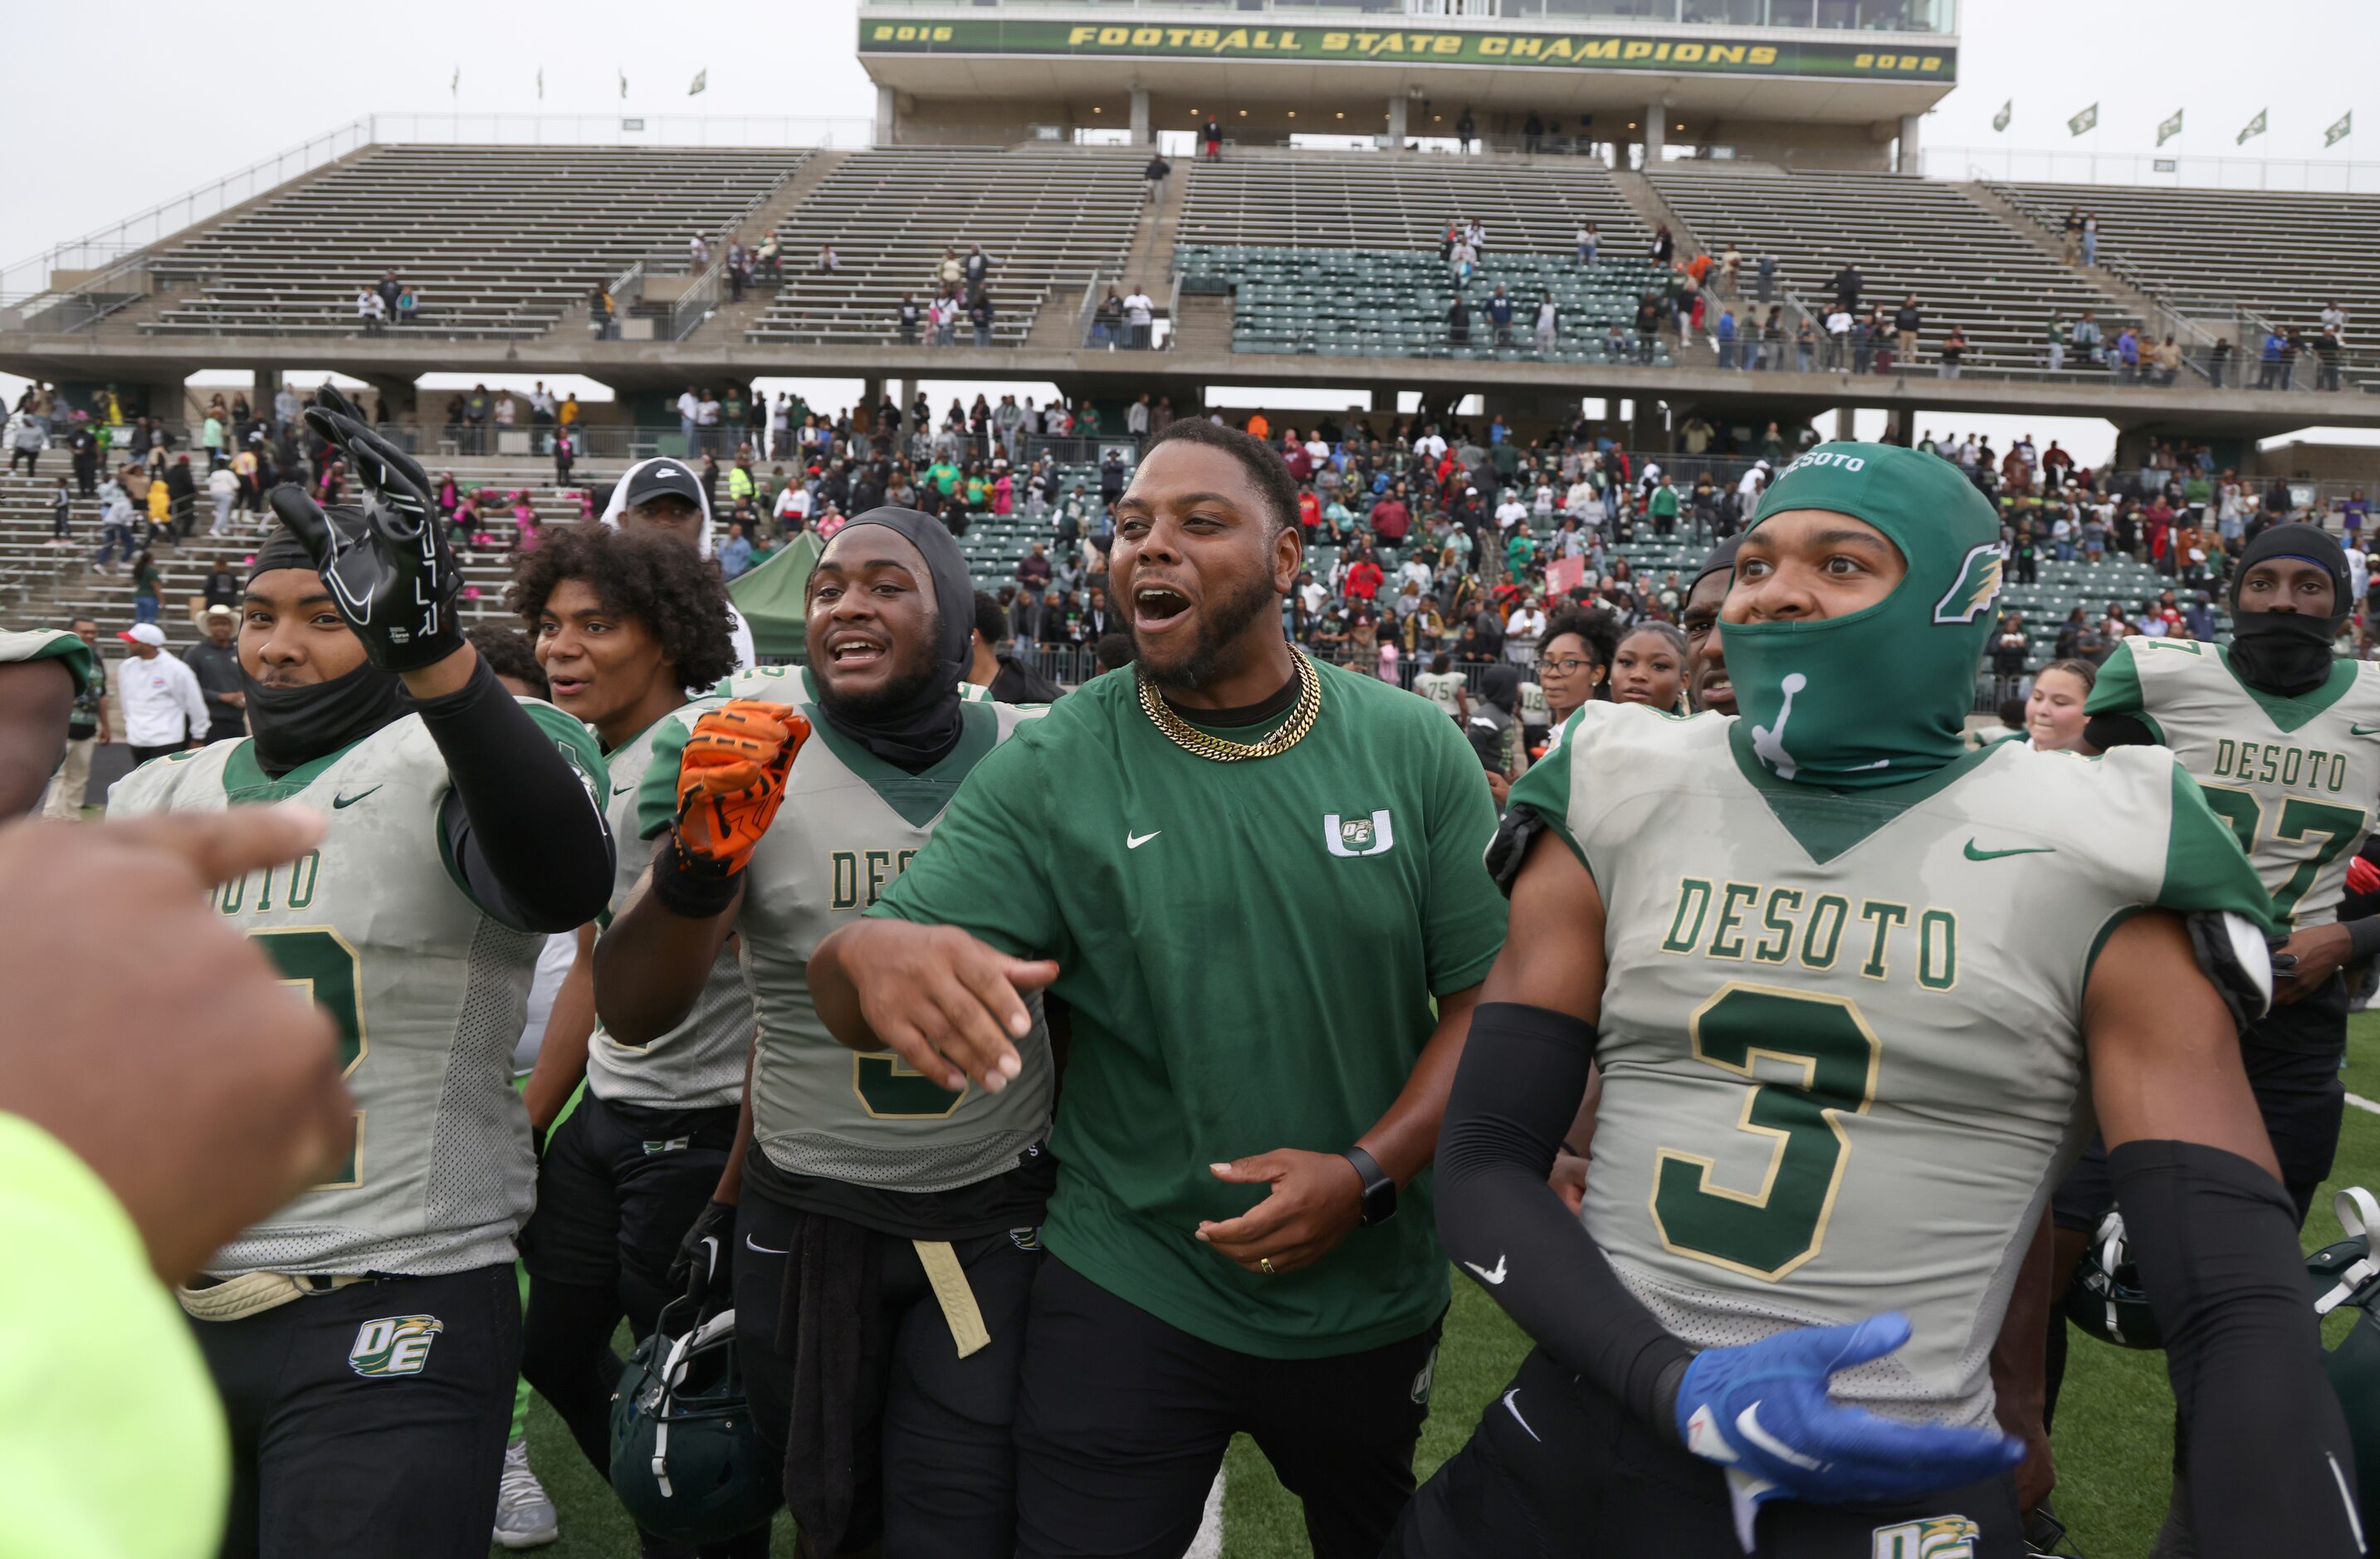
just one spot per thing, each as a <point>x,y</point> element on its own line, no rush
<point>1191,739</point>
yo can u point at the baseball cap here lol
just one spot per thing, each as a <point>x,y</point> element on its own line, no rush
<point>144,633</point>
<point>657,477</point>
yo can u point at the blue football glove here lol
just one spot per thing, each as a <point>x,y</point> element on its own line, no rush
<point>1761,1411</point>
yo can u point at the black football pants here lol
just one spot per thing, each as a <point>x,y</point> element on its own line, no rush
<point>1557,1469</point>
<point>369,1421</point>
<point>1122,1419</point>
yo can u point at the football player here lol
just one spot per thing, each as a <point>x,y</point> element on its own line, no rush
<point>36,703</point>
<point>367,1338</point>
<point>1707,683</point>
<point>1850,978</point>
<point>883,1228</point>
<point>2284,738</point>
<point>624,621</point>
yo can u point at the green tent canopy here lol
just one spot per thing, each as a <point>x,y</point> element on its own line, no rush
<point>770,598</point>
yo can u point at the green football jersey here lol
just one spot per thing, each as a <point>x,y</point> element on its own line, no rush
<point>53,644</point>
<point>700,1064</point>
<point>2295,778</point>
<point>1841,1038</point>
<point>428,990</point>
<point>850,824</point>
<point>1250,951</point>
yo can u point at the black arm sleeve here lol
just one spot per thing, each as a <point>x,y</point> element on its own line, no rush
<point>1516,1091</point>
<point>2105,731</point>
<point>530,840</point>
<point>2270,1466</point>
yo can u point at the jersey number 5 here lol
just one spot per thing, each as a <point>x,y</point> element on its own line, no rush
<point>2340,828</point>
<point>318,962</point>
<point>1768,1232</point>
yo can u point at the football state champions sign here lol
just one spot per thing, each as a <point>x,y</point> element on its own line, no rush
<point>1687,52</point>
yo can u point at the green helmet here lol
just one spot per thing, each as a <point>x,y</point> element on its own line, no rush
<point>2347,1276</point>
<point>687,1460</point>
<point>2105,1298</point>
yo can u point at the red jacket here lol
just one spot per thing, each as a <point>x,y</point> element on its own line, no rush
<point>1364,579</point>
<point>1390,520</point>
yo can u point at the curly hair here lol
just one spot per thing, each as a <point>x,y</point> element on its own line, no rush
<point>509,653</point>
<point>1596,630</point>
<point>653,578</point>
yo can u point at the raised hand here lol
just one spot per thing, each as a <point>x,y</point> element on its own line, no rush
<point>385,561</point>
<point>732,780</point>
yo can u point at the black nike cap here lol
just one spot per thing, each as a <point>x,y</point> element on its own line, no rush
<point>659,478</point>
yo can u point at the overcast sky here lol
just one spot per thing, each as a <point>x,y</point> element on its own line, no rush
<point>92,144</point>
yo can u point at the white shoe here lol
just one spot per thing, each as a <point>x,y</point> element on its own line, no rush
<point>525,1517</point>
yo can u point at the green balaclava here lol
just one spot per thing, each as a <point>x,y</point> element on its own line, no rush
<point>1880,697</point>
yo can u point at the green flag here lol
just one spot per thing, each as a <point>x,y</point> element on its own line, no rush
<point>2255,128</point>
<point>702,79</point>
<point>2086,120</point>
<point>2169,128</point>
<point>2001,119</point>
<point>2340,131</point>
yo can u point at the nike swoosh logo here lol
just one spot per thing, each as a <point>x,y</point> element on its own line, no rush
<point>1485,1275</point>
<point>1516,1415</point>
<point>621,789</point>
<point>1747,1423</point>
<point>350,801</point>
<point>1974,854</point>
<point>2363,730</point>
<point>762,1249</point>
<point>1134,841</point>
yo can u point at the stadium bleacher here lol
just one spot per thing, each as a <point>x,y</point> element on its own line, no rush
<point>2274,253</point>
<point>1050,218</point>
<point>1323,199</point>
<point>1369,303</point>
<point>1905,235</point>
<point>497,240</point>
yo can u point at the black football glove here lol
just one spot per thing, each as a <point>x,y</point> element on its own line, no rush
<point>706,1257</point>
<point>385,561</point>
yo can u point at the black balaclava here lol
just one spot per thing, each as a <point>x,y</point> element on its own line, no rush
<point>1721,558</point>
<point>1500,686</point>
<point>2290,653</point>
<point>921,729</point>
<point>296,725</point>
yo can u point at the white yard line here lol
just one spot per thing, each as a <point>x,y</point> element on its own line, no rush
<point>1209,1543</point>
<point>2362,1103</point>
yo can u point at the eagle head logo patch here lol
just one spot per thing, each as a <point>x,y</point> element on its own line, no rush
<point>1977,584</point>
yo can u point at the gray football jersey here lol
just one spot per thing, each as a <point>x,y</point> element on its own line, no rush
<point>2295,778</point>
<point>1841,1043</point>
<point>851,822</point>
<point>427,988</point>
<point>700,1064</point>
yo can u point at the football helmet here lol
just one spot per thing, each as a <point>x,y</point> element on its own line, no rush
<point>687,1460</point>
<point>2105,1296</point>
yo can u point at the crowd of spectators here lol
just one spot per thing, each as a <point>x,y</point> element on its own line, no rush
<point>959,291</point>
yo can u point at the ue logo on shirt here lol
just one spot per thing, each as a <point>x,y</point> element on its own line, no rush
<point>1374,835</point>
<point>395,1345</point>
<point>1938,1536</point>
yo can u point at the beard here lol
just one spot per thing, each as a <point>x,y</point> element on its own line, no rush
<point>911,677</point>
<point>1194,667</point>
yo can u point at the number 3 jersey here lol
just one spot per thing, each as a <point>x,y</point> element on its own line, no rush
<point>851,822</point>
<point>2295,778</point>
<point>1841,1035</point>
<point>428,990</point>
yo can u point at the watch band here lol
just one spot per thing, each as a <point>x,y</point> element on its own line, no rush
<point>1379,1198</point>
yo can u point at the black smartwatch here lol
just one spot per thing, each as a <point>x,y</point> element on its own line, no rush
<point>1379,1202</point>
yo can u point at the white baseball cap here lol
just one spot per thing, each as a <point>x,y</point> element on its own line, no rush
<point>144,633</point>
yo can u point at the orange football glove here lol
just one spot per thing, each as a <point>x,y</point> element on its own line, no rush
<point>732,781</point>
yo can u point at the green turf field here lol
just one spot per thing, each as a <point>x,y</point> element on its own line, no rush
<point>2113,1440</point>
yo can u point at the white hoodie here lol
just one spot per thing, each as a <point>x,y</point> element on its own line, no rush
<point>738,634</point>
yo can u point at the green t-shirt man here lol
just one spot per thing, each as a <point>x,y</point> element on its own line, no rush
<point>1250,950</point>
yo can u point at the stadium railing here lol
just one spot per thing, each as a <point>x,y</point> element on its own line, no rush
<point>2177,171</point>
